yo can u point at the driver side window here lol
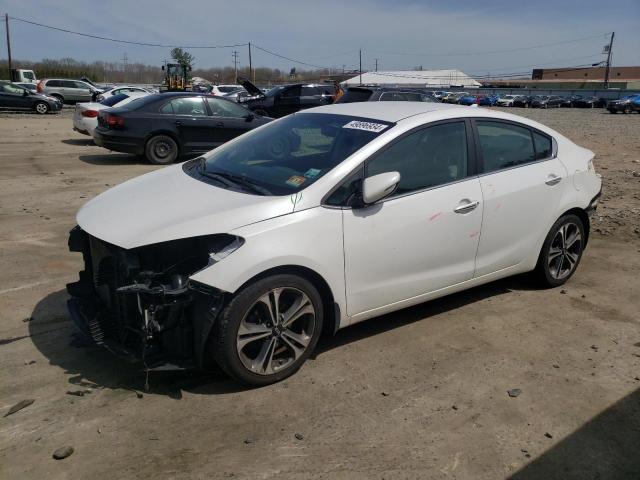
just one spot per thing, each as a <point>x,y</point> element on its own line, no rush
<point>426,158</point>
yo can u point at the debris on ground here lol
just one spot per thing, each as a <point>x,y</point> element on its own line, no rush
<point>78,393</point>
<point>548,435</point>
<point>299,436</point>
<point>514,392</point>
<point>249,440</point>
<point>384,394</point>
<point>555,365</point>
<point>563,291</point>
<point>63,452</point>
<point>19,406</point>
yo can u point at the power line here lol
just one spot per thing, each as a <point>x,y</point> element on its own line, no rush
<point>144,44</point>
<point>289,59</point>
<point>452,54</point>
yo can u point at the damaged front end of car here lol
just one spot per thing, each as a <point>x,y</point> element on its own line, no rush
<point>140,304</point>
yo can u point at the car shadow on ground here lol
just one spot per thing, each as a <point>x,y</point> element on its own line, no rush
<point>80,142</point>
<point>113,159</point>
<point>54,335</point>
<point>606,447</point>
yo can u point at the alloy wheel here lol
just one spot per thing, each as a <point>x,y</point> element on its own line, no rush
<point>276,330</point>
<point>42,108</point>
<point>564,251</point>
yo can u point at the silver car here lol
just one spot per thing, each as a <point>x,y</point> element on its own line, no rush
<point>67,90</point>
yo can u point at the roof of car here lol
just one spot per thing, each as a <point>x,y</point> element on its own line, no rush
<point>385,111</point>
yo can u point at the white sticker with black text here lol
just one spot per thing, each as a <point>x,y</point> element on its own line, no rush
<point>367,126</point>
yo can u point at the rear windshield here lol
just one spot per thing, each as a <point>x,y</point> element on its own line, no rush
<point>355,95</point>
<point>112,100</point>
<point>287,155</point>
<point>141,102</point>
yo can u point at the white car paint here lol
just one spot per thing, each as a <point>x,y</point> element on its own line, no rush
<point>396,253</point>
<point>86,125</point>
<point>506,100</point>
<point>126,89</point>
<point>222,90</point>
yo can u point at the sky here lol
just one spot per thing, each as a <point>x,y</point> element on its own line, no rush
<point>477,37</point>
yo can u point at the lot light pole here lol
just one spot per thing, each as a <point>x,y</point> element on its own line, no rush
<point>360,66</point>
<point>6,24</point>
<point>250,66</point>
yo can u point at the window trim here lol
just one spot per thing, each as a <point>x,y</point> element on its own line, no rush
<point>207,112</point>
<point>480,159</point>
<point>472,162</point>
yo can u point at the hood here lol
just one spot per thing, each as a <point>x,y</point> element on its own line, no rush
<point>167,205</point>
<point>250,87</point>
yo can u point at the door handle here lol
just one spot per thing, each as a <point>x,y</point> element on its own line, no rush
<point>219,124</point>
<point>553,180</point>
<point>467,207</point>
<point>178,122</point>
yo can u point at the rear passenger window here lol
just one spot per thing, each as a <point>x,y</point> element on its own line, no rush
<point>185,106</point>
<point>427,158</point>
<point>543,146</point>
<point>504,145</point>
<point>309,92</point>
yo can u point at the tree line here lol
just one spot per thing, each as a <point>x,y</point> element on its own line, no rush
<point>115,72</point>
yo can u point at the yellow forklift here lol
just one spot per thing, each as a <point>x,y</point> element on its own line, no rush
<point>176,78</point>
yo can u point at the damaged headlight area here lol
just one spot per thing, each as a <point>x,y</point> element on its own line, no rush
<point>140,304</point>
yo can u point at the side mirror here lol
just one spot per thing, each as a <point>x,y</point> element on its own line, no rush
<point>379,186</point>
<point>25,93</point>
<point>249,117</point>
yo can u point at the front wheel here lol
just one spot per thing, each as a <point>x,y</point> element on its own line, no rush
<point>161,150</point>
<point>41,108</point>
<point>268,330</point>
<point>561,251</point>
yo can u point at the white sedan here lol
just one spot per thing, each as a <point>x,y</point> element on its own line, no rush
<point>320,220</point>
<point>85,115</point>
<point>126,89</point>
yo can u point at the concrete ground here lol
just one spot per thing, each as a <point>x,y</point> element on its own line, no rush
<point>420,393</point>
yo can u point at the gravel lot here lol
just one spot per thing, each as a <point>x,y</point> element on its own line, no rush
<point>421,393</point>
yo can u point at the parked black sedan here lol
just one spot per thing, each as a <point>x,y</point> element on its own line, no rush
<point>589,102</point>
<point>523,101</point>
<point>15,97</point>
<point>165,126</point>
<point>285,99</point>
<point>545,101</point>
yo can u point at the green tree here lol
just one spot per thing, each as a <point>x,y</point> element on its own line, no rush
<point>181,57</point>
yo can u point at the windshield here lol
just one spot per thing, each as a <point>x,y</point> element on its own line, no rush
<point>274,91</point>
<point>290,154</point>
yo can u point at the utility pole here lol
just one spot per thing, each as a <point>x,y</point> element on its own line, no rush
<point>360,66</point>
<point>235,64</point>
<point>6,23</point>
<point>606,71</point>
<point>250,65</point>
<point>376,64</point>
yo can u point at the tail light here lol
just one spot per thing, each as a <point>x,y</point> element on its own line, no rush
<point>113,120</point>
<point>90,113</point>
<point>39,87</point>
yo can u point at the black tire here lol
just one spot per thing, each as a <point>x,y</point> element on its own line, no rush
<point>222,345</point>
<point>161,150</point>
<point>41,108</point>
<point>557,275</point>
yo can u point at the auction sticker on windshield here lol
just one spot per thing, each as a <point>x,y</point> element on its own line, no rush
<point>296,181</point>
<point>367,126</point>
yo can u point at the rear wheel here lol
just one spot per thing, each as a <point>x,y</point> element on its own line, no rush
<point>41,108</point>
<point>268,330</point>
<point>561,251</point>
<point>161,150</point>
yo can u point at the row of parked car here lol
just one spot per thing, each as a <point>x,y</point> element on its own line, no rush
<point>627,104</point>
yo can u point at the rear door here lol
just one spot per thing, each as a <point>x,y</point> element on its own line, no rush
<point>82,91</point>
<point>230,119</point>
<point>522,181</point>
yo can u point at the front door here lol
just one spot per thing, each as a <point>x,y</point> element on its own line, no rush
<point>522,183</point>
<point>287,101</point>
<point>231,119</point>
<point>425,236</point>
<point>188,116</point>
